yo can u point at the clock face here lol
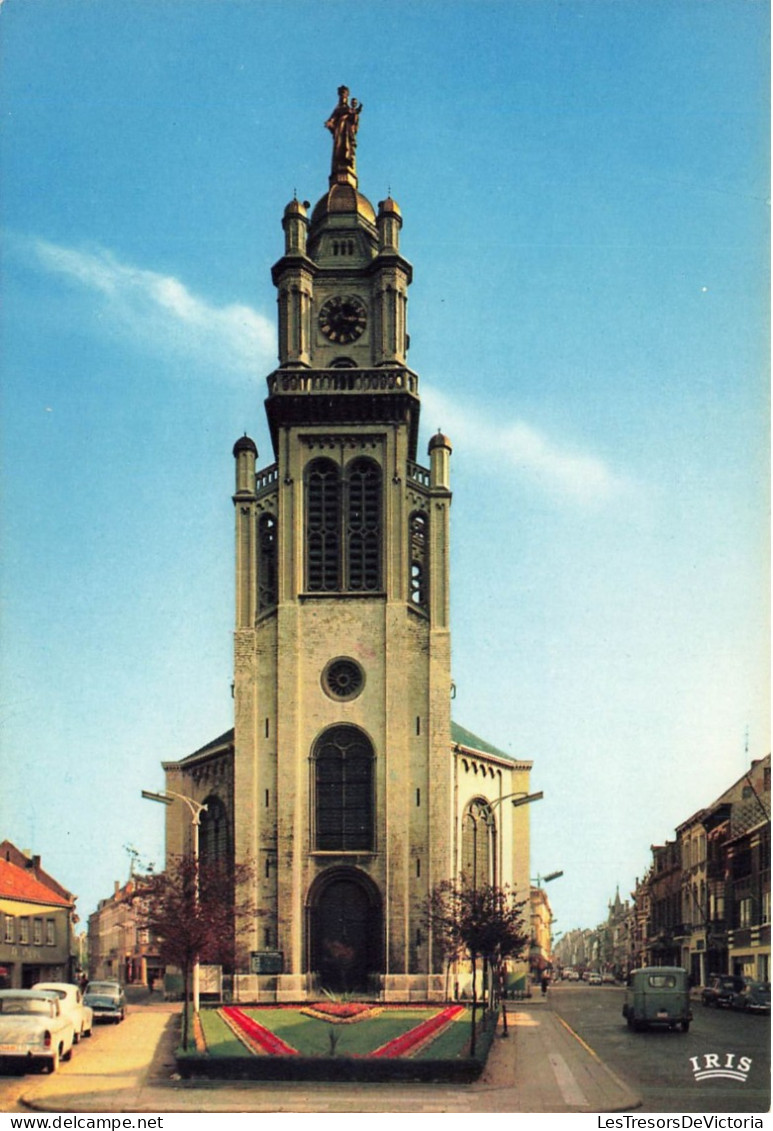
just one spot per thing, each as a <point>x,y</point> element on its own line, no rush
<point>343,318</point>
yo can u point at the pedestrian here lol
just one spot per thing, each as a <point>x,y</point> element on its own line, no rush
<point>544,983</point>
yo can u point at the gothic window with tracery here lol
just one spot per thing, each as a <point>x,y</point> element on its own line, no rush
<point>323,522</point>
<point>214,840</point>
<point>363,526</point>
<point>419,573</point>
<point>267,563</point>
<point>478,844</point>
<point>343,527</point>
<point>343,790</point>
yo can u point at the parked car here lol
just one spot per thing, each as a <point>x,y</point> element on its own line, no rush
<point>107,1000</point>
<point>658,995</point>
<point>594,978</point>
<point>720,990</point>
<point>754,997</point>
<point>608,979</point>
<point>71,1001</point>
<point>33,1029</point>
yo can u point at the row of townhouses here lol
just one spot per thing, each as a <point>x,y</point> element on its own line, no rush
<point>37,940</point>
<point>704,902</point>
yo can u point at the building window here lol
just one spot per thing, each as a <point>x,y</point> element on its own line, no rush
<point>745,912</point>
<point>267,563</point>
<point>24,930</point>
<point>418,547</point>
<point>343,790</point>
<point>50,932</point>
<point>9,932</point>
<point>37,932</point>
<point>363,526</point>
<point>343,678</point>
<point>343,527</point>
<point>322,526</point>
<point>478,844</point>
<point>213,833</point>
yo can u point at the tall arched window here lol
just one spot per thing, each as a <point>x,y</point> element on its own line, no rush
<point>363,526</point>
<point>343,527</point>
<point>323,527</point>
<point>267,562</point>
<point>343,790</point>
<point>419,563</point>
<point>214,839</point>
<point>478,844</point>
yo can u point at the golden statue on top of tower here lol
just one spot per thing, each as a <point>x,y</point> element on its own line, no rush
<point>343,124</point>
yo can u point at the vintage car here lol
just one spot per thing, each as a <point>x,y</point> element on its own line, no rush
<point>106,999</point>
<point>658,995</point>
<point>71,1001</point>
<point>721,989</point>
<point>33,1029</point>
<point>753,997</point>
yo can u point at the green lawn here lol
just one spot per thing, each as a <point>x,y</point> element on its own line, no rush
<point>220,1040</point>
<point>311,1037</point>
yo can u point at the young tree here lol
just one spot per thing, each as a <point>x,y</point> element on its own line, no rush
<point>477,922</point>
<point>194,909</point>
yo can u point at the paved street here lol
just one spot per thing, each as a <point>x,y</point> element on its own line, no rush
<point>569,1053</point>
<point>542,1067</point>
<point>658,1063</point>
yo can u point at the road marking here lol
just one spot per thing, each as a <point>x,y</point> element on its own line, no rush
<point>570,1089</point>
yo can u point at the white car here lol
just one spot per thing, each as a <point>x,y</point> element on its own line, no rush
<point>71,1001</point>
<point>33,1029</point>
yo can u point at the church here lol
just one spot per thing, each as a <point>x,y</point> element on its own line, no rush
<point>344,781</point>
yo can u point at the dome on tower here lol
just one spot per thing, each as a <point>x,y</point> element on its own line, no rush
<point>389,205</point>
<point>245,444</point>
<point>343,199</point>
<point>439,441</point>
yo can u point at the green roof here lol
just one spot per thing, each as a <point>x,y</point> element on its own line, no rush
<point>464,737</point>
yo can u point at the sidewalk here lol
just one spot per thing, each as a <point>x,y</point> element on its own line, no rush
<point>542,1067</point>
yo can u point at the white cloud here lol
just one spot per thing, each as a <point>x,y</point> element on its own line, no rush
<point>160,311</point>
<point>578,476</point>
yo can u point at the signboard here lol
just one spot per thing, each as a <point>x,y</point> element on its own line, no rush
<point>211,980</point>
<point>266,962</point>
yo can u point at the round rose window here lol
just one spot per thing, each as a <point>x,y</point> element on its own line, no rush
<point>343,678</point>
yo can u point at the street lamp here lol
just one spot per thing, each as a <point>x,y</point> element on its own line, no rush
<point>517,798</point>
<point>540,880</point>
<point>168,797</point>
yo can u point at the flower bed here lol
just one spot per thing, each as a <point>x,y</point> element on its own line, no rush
<point>409,1043</point>
<point>402,1056</point>
<point>341,1012</point>
<point>258,1036</point>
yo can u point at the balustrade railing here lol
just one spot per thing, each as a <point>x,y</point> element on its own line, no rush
<point>343,381</point>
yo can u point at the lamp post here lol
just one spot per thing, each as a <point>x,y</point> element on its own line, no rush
<point>518,798</point>
<point>168,797</point>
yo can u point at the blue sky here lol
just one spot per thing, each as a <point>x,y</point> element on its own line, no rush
<point>585,192</point>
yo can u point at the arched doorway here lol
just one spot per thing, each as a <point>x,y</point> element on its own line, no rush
<point>345,931</point>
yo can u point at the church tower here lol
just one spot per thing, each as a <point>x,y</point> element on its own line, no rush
<point>342,747</point>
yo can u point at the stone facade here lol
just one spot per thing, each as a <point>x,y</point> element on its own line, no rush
<point>343,781</point>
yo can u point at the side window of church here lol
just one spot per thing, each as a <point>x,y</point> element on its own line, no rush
<point>343,527</point>
<point>478,834</point>
<point>343,791</point>
<point>418,544</point>
<point>214,841</point>
<point>267,563</point>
